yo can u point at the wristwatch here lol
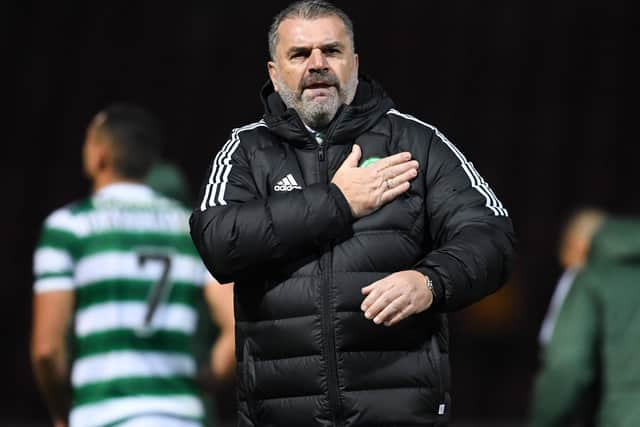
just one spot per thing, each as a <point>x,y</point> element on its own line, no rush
<point>430,285</point>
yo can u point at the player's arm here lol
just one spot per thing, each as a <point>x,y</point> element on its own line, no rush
<point>53,306</point>
<point>220,301</point>
<point>52,312</point>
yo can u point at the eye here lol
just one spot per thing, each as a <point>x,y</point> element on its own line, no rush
<point>299,54</point>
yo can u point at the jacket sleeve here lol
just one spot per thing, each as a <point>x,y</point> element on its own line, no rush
<point>239,232</point>
<point>470,230</point>
<point>569,359</point>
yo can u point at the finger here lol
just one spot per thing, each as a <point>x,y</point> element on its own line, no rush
<point>401,315</point>
<point>373,294</point>
<point>393,192</point>
<point>392,182</point>
<point>393,160</point>
<point>390,310</point>
<point>369,288</point>
<point>397,170</point>
<point>381,302</point>
<point>405,176</point>
<point>373,291</point>
<point>353,158</point>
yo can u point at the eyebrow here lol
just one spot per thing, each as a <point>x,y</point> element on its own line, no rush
<point>301,49</point>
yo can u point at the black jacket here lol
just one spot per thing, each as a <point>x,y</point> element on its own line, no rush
<point>271,221</point>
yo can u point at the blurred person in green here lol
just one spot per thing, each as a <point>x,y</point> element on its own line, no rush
<point>168,179</point>
<point>597,335</point>
<point>572,254</point>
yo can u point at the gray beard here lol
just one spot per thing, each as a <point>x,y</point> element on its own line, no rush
<point>317,114</point>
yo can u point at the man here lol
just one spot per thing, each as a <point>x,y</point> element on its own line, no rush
<point>596,335</point>
<point>348,228</point>
<point>574,248</point>
<point>119,274</point>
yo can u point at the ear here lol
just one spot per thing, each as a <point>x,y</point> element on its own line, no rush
<point>103,155</point>
<point>356,60</point>
<point>273,74</point>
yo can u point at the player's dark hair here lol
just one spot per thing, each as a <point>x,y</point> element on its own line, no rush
<point>136,136</point>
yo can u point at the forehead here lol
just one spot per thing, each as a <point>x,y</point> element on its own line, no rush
<point>302,32</point>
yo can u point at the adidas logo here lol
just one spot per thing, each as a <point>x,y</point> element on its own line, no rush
<point>288,183</point>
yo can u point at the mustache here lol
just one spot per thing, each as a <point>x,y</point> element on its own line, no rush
<point>327,78</point>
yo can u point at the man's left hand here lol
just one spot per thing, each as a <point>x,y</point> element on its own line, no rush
<point>396,297</point>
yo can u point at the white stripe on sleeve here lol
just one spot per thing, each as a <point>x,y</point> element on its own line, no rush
<point>477,182</point>
<point>51,260</point>
<point>217,185</point>
<point>50,284</point>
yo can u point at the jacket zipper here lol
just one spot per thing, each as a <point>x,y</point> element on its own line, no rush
<point>325,267</point>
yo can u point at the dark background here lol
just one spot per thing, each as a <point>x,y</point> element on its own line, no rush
<point>538,94</point>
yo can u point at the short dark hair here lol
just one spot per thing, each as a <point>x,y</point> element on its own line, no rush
<point>307,9</point>
<point>136,136</point>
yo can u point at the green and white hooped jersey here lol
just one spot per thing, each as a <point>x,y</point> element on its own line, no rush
<point>127,255</point>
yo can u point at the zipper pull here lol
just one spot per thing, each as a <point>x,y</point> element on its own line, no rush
<point>321,154</point>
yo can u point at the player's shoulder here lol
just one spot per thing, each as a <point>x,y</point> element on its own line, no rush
<point>70,216</point>
<point>162,202</point>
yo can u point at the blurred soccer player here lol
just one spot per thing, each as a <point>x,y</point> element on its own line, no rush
<point>117,273</point>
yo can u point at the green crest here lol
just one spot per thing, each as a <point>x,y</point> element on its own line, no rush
<point>369,161</point>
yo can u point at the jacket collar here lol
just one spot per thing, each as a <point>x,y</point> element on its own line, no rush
<point>369,104</point>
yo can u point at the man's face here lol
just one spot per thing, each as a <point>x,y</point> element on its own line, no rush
<point>315,70</point>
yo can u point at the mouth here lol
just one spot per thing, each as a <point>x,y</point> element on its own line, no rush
<point>319,90</point>
<point>319,86</point>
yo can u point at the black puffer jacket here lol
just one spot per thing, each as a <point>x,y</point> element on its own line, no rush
<point>270,220</point>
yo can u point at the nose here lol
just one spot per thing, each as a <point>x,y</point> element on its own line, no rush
<point>317,61</point>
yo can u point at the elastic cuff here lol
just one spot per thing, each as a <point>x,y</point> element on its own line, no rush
<point>341,202</point>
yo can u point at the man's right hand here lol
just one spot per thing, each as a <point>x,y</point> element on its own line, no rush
<point>369,188</point>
